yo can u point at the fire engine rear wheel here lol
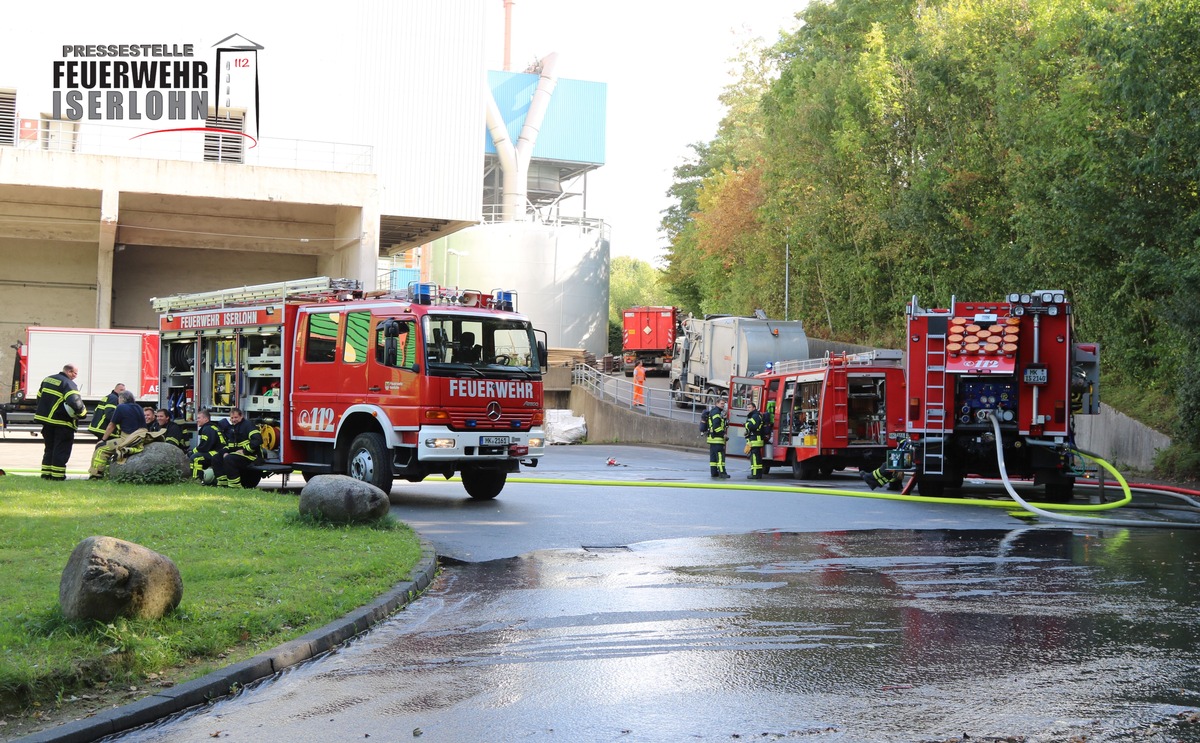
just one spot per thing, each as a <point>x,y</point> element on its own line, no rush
<point>931,488</point>
<point>1059,492</point>
<point>368,461</point>
<point>804,469</point>
<point>483,484</point>
<point>629,372</point>
<point>251,478</point>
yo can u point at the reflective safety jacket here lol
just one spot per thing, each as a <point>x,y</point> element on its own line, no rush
<point>173,434</point>
<point>243,440</point>
<point>209,440</point>
<point>754,429</point>
<point>59,402</point>
<point>103,414</point>
<point>716,426</point>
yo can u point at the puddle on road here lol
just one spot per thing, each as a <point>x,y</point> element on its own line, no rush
<point>1034,634</point>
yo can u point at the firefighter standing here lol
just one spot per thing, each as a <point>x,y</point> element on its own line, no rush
<point>243,449</point>
<point>105,410</point>
<point>208,445</point>
<point>715,431</point>
<point>755,430</point>
<point>59,406</point>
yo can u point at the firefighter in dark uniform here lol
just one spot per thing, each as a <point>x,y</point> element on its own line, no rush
<point>209,443</point>
<point>59,407</point>
<point>714,430</point>
<point>172,431</point>
<point>755,431</point>
<point>243,450</point>
<point>105,410</point>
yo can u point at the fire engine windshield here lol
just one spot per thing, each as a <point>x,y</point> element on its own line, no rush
<point>483,343</point>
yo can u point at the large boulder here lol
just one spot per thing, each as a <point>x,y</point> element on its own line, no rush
<point>159,464</point>
<point>343,499</point>
<point>106,578</point>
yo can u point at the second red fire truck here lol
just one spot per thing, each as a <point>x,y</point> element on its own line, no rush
<point>844,410</point>
<point>374,385</point>
<point>1012,367</point>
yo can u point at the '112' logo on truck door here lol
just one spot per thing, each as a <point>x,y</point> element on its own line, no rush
<point>316,420</point>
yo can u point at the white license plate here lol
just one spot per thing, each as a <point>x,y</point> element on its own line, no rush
<point>493,441</point>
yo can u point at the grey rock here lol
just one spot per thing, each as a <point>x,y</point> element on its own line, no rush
<point>343,499</point>
<point>159,462</point>
<point>106,578</point>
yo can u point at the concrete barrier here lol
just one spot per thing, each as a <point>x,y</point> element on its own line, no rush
<point>613,424</point>
<point>1119,439</point>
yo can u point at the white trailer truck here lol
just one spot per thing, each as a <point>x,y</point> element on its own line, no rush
<point>104,357</point>
<point>709,351</point>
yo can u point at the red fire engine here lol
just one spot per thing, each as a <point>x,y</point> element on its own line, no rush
<point>1015,362</point>
<point>428,382</point>
<point>845,410</point>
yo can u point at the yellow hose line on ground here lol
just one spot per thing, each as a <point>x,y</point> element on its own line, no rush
<point>1006,503</point>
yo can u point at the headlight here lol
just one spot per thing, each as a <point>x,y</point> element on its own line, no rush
<point>535,443</point>
<point>439,443</point>
<point>1018,310</point>
<point>1052,310</point>
<point>1060,298</point>
<point>1026,299</point>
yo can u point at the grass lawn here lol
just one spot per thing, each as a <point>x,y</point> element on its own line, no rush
<point>255,574</point>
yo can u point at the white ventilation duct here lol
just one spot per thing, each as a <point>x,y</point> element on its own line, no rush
<point>514,160</point>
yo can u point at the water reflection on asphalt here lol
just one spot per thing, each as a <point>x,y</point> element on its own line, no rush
<point>1039,634</point>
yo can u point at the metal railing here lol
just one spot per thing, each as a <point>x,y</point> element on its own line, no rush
<point>493,213</point>
<point>189,146</point>
<point>658,403</point>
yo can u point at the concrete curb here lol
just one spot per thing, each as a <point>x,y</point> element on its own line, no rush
<point>228,680</point>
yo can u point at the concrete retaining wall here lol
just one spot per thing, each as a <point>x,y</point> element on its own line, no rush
<point>610,423</point>
<point>1121,440</point>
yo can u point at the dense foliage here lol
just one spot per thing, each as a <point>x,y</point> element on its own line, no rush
<point>963,148</point>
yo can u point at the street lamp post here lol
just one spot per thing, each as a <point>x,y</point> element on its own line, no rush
<point>459,254</point>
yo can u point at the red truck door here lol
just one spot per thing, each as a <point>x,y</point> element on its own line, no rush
<point>316,387</point>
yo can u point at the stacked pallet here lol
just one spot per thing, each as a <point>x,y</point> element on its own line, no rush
<point>569,357</point>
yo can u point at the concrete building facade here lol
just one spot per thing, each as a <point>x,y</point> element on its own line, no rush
<point>320,147</point>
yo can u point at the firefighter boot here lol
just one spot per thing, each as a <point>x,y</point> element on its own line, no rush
<point>876,479</point>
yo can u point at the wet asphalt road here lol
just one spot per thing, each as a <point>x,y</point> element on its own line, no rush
<point>605,613</point>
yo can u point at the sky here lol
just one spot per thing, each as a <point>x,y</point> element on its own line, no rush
<point>665,63</point>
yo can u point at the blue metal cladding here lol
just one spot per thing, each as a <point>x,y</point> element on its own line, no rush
<point>573,130</point>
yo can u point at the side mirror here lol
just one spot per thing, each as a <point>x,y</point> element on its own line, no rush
<point>391,328</point>
<point>543,354</point>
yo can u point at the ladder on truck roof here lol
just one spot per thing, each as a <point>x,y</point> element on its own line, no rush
<point>321,287</point>
<point>863,358</point>
<point>934,387</point>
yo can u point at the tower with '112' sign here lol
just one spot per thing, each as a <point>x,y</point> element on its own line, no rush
<point>377,386</point>
<point>998,379</point>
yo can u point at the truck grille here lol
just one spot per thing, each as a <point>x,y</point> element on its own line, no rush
<point>508,421</point>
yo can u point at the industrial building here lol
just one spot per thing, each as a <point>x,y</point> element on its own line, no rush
<point>233,152</point>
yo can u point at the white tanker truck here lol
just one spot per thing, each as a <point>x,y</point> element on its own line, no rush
<point>709,351</point>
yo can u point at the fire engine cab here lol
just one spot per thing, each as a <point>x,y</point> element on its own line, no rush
<point>373,385</point>
<point>1012,366</point>
<point>844,410</point>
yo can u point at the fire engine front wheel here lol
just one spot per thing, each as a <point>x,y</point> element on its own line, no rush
<point>368,461</point>
<point>483,484</point>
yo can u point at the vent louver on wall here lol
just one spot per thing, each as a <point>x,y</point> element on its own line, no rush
<point>224,148</point>
<point>8,119</point>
